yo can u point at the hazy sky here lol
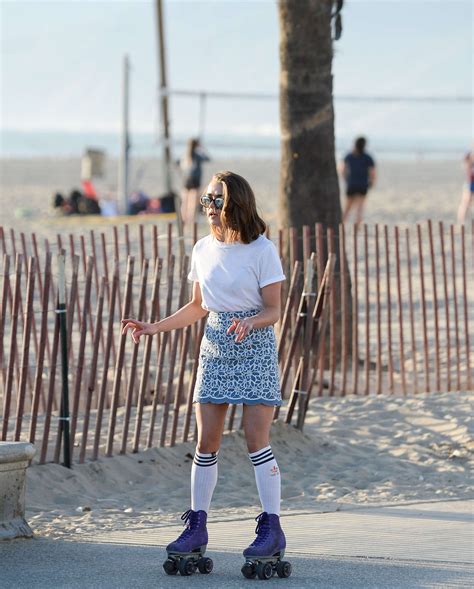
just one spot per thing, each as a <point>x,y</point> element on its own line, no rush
<point>61,64</point>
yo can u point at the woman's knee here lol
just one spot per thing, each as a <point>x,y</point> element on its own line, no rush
<point>208,444</point>
<point>255,443</point>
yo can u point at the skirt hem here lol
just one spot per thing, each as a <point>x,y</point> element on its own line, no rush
<point>234,401</point>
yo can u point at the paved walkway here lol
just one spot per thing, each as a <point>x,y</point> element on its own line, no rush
<point>410,546</point>
<point>428,531</point>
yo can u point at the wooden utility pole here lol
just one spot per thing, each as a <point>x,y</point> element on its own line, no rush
<point>125,143</point>
<point>167,162</point>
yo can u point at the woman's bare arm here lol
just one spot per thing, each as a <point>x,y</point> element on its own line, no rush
<point>186,315</point>
<point>341,168</point>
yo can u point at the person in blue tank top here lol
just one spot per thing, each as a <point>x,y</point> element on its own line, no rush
<point>358,169</point>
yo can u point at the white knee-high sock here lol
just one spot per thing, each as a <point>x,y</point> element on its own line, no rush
<point>267,475</point>
<point>203,480</point>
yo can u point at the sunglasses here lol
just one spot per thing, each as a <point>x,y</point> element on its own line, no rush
<point>206,200</point>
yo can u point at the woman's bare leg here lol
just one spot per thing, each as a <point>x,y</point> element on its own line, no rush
<point>256,422</point>
<point>347,209</point>
<point>466,199</point>
<point>359,204</point>
<point>210,419</point>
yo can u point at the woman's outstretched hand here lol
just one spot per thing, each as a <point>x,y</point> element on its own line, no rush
<point>138,328</point>
<point>241,327</point>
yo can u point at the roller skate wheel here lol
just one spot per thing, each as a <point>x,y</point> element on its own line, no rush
<point>187,567</point>
<point>283,569</point>
<point>205,565</point>
<point>264,570</point>
<point>249,570</point>
<point>170,566</point>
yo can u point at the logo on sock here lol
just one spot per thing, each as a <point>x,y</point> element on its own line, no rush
<point>274,470</point>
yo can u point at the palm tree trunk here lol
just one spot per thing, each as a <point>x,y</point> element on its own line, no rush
<point>309,188</point>
<point>309,184</point>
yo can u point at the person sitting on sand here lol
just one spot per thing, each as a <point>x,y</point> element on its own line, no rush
<point>70,205</point>
<point>59,202</point>
<point>137,202</point>
<point>76,204</point>
<point>237,277</point>
<point>358,170</point>
<point>74,201</point>
<point>89,204</point>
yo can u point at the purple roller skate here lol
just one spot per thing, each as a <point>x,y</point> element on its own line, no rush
<point>185,554</point>
<point>263,558</point>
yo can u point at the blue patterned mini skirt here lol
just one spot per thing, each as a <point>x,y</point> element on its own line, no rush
<point>230,372</point>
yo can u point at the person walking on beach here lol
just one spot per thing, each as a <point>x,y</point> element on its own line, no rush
<point>358,170</point>
<point>468,189</point>
<point>237,277</point>
<point>192,167</point>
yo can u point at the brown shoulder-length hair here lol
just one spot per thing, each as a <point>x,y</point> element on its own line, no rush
<point>239,217</point>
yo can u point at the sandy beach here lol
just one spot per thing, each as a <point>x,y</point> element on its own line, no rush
<point>353,452</point>
<point>406,191</point>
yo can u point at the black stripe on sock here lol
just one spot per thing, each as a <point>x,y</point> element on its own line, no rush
<point>209,456</point>
<point>205,463</point>
<point>202,460</point>
<point>264,460</point>
<point>260,454</point>
<point>263,456</point>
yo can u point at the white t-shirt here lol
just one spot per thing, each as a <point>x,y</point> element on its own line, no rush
<point>231,275</point>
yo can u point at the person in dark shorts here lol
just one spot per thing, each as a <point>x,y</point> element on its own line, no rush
<point>358,169</point>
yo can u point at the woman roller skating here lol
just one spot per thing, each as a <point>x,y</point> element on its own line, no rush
<point>237,276</point>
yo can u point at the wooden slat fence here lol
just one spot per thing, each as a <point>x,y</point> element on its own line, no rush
<point>371,310</point>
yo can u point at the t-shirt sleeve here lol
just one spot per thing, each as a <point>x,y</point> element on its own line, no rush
<point>193,275</point>
<point>270,268</point>
<point>370,161</point>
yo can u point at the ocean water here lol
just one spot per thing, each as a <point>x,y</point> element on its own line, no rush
<point>26,144</point>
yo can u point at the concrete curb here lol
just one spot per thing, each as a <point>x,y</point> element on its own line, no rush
<point>14,460</point>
